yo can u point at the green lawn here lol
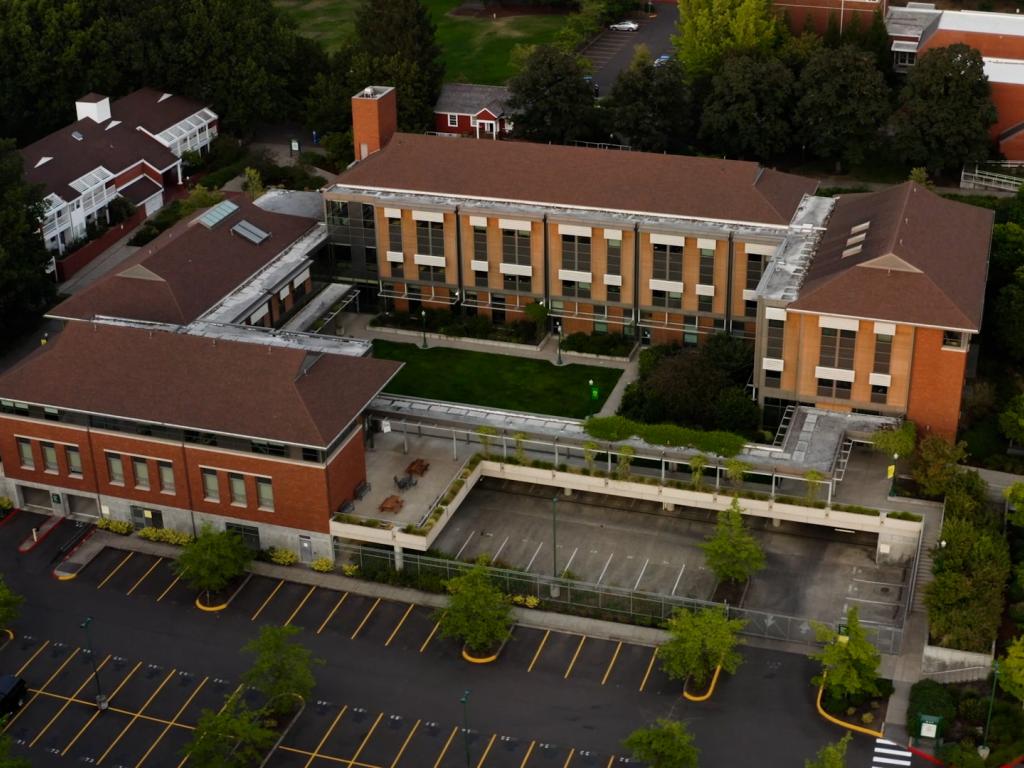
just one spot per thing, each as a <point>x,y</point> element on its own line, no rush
<point>500,381</point>
<point>476,50</point>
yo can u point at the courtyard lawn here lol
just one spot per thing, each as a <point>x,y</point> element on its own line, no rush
<point>499,381</point>
<point>475,49</point>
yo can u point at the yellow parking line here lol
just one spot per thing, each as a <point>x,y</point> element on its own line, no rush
<point>329,758</point>
<point>486,750</point>
<point>116,710</point>
<point>169,588</point>
<point>611,663</point>
<point>444,749</point>
<point>116,569</point>
<point>399,625</point>
<point>269,598</point>
<point>136,717</point>
<point>67,703</point>
<point>364,742</point>
<point>35,696</point>
<point>326,735</point>
<point>430,636</point>
<point>611,760</point>
<point>568,670</point>
<point>529,751</point>
<point>32,658</point>
<point>299,608</point>
<point>97,712</point>
<point>539,649</point>
<point>174,721</point>
<point>365,618</point>
<point>143,578</point>
<point>334,610</point>
<point>647,674</point>
<point>569,758</point>
<point>394,763</point>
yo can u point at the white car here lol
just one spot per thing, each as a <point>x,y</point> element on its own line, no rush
<point>625,26</point>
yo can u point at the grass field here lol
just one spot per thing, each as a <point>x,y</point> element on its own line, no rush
<point>475,49</point>
<point>499,381</point>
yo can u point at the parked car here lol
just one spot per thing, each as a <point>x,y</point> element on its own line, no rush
<point>662,60</point>
<point>13,694</point>
<point>625,26</point>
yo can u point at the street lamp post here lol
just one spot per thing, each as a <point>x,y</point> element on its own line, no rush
<point>423,316</point>
<point>465,724</point>
<point>984,749</point>
<point>555,590</point>
<point>558,330</point>
<point>101,699</point>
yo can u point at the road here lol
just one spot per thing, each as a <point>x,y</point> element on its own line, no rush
<point>388,694</point>
<point>612,51</point>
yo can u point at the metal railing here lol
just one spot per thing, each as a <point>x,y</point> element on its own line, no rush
<point>987,180</point>
<point>599,600</point>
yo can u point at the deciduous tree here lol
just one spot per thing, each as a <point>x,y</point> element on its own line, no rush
<point>213,560</point>
<point>549,96</point>
<point>831,755</point>
<point>477,613</point>
<point>731,552</point>
<point>935,464</point>
<point>945,110</point>
<point>666,744</point>
<point>900,441</point>
<point>1015,497</point>
<point>1011,669</point>
<point>7,760</point>
<point>650,106</point>
<point>849,668</point>
<point>234,737</point>
<point>10,604</point>
<point>1009,317</point>
<point>700,641</point>
<point>712,30</point>
<point>282,670</point>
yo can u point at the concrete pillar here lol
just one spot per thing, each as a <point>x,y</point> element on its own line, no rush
<point>567,491</point>
<point>776,522</point>
<point>398,558</point>
<point>668,506</point>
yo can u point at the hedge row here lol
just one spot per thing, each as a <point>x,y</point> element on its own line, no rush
<point>616,428</point>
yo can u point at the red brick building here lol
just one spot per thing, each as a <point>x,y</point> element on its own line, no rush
<point>172,430</point>
<point>815,14</point>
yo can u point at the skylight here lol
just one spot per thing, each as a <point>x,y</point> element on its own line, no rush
<point>218,213</point>
<point>250,232</point>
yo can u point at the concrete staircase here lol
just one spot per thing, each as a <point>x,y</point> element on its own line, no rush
<point>929,539</point>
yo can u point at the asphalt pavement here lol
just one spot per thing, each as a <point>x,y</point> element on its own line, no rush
<point>389,693</point>
<point>612,51</point>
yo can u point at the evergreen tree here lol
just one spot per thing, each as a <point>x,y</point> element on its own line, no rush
<point>731,552</point>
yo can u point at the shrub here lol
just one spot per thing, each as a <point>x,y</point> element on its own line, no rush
<point>930,698</point>
<point>350,569</point>
<point>121,527</point>
<point>6,504</point>
<point>615,428</point>
<point>165,535</point>
<point>608,344</point>
<point>283,556</point>
<point>322,565</point>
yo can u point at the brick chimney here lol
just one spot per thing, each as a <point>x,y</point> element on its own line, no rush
<point>374,119</point>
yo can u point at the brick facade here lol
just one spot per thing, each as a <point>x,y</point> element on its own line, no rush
<point>937,381</point>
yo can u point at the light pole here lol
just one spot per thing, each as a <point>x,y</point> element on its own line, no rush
<point>555,590</point>
<point>465,724</point>
<point>590,398</point>
<point>423,316</point>
<point>983,750</point>
<point>101,700</point>
<point>558,330</point>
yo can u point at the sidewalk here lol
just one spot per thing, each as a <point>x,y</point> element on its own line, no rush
<point>115,255</point>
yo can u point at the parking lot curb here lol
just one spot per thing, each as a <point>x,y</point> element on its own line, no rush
<point>7,518</point>
<point>707,694</point>
<point>841,723</point>
<point>478,659</point>
<point>10,637</point>
<point>210,608</point>
<point>50,526</point>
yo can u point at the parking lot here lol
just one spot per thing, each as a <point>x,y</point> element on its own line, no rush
<point>612,51</point>
<point>810,571</point>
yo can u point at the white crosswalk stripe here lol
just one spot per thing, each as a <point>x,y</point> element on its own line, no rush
<point>887,753</point>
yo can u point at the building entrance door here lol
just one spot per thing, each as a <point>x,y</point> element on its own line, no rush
<point>305,549</point>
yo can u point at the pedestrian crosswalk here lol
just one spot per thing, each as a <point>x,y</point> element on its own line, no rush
<point>889,753</point>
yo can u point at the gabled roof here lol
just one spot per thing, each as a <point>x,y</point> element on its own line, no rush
<point>187,269</point>
<point>676,185</point>
<point>241,388</point>
<point>471,99</point>
<point>903,255</point>
<point>154,110</point>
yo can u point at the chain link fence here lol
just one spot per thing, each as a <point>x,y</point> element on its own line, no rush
<point>584,599</point>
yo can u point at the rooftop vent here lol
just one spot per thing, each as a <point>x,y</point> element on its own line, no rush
<point>43,161</point>
<point>218,213</point>
<point>852,251</point>
<point>250,232</point>
<point>857,239</point>
<point>77,136</point>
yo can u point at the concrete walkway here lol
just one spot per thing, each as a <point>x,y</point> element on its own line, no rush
<point>100,266</point>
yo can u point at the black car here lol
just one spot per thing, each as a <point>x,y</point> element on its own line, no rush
<point>13,695</point>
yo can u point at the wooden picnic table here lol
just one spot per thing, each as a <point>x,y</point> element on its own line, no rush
<point>392,504</point>
<point>417,467</point>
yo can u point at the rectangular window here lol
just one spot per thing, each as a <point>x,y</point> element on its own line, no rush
<point>773,379</point>
<point>837,348</point>
<point>211,485</point>
<point>265,493</point>
<point>480,279</point>
<point>480,243</point>
<point>519,283</point>
<point>115,469</point>
<point>397,268</point>
<point>236,483</point>
<point>268,449</point>
<point>74,459</point>
<point>750,309</point>
<point>430,238</point>
<point>707,267</point>
<point>25,454</point>
<point>755,268</point>
<point>395,235</point>
<point>49,457</point>
<point>453,121</point>
<point>140,468</point>
<point>515,246</point>
<point>166,473</point>
<point>614,292</point>
<point>337,213</point>
<point>368,216</point>
<point>879,394</point>
<point>51,414</point>
<point>775,339</point>
<point>614,257</point>
<point>668,262</point>
<point>836,389</point>
<point>705,303</point>
<point>249,534</point>
<point>312,454</point>
<point>576,253</point>
<point>952,339</point>
<point>431,274</point>
<point>669,300</point>
<point>883,353</point>
<point>574,289</point>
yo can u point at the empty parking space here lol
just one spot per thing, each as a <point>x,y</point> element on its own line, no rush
<point>99,568</point>
<point>283,603</point>
<point>16,528</point>
<point>252,597</point>
<point>153,581</point>
<point>347,615</point>
<point>131,571</point>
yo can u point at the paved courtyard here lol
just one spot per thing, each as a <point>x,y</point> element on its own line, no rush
<point>810,572</point>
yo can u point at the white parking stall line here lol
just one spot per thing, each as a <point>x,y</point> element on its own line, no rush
<point>642,571</point>
<point>466,544</point>
<point>500,548</point>
<point>605,569</point>
<point>676,585</point>
<point>571,558</point>
<point>530,564</point>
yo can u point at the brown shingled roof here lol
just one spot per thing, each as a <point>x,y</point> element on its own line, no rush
<point>145,108</point>
<point>186,270</point>
<point>923,260</point>
<point>199,383</point>
<point>679,185</point>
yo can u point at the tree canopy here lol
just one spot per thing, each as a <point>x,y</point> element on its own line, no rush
<point>731,552</point>
<point>282,670</point>
<point>700,641</point>
<point>650,106</point>
<point>711,30</point>
<point>477,613</point>
<point>212,560</point>
<point>945,110</point>
<point>234,737</point>
<point>849,667</point>
<point>831,755</point>
<point>665,744</point>
<point>551,100</point>
<point>1011,669</point>
<point>10,604</point>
